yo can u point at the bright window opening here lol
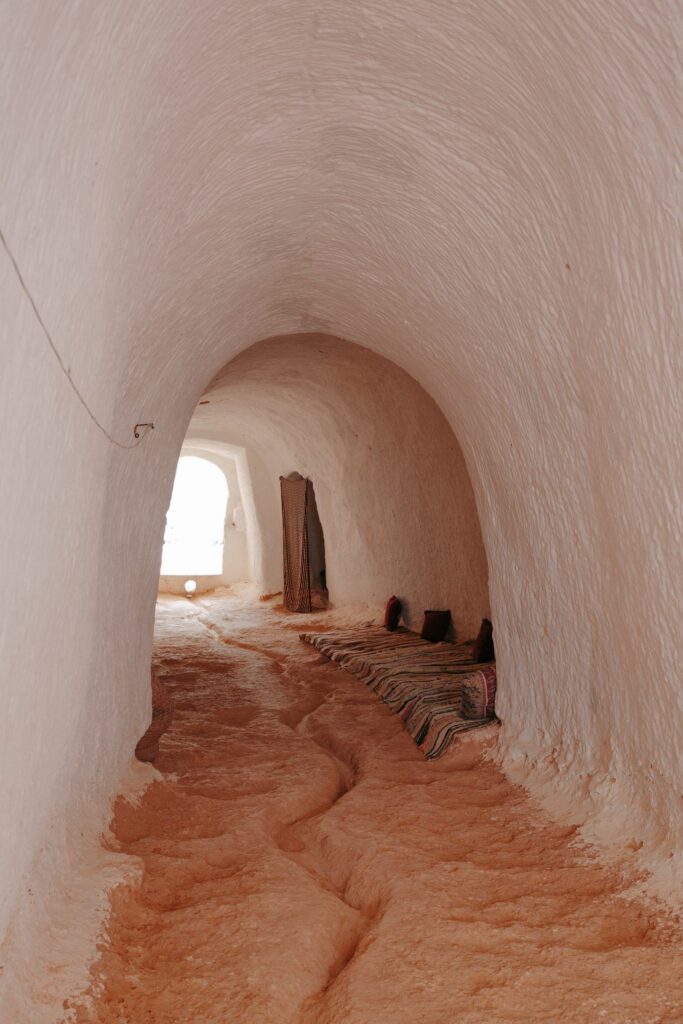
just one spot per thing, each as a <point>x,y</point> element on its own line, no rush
<point>195,521</point>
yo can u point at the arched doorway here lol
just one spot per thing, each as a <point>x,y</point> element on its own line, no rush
<point>195,521</point>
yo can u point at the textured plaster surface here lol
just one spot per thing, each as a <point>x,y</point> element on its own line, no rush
<point>300,863</point>
<point>391,485</point>
<point>488,195</point>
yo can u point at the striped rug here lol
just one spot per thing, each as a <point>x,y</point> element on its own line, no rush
<point>421,682</point>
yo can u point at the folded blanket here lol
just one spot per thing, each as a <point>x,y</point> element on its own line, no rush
<point>419,681</point>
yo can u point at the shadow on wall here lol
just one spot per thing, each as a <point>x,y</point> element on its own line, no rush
<point>316,551</point>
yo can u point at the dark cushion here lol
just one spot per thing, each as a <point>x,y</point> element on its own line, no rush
<point>392,613</point>
<point>435,626</point>
<point>479,694</point>
<point>482,649</point>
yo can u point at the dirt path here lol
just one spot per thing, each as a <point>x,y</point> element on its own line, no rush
<point>304,865</point>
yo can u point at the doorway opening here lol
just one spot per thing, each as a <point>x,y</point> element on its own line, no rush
<point>195,521</point>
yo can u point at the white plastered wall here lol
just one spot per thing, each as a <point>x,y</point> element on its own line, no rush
<point>487,195</point>
<point>391,485</point>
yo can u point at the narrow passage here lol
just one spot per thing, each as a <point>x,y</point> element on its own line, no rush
<point>302,864</point>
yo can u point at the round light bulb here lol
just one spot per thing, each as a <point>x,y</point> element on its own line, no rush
<point>190,587</point>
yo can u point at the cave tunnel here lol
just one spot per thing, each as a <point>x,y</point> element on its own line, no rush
<point>427,256</point>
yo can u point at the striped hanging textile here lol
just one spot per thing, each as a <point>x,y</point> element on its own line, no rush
<point>297,584</point>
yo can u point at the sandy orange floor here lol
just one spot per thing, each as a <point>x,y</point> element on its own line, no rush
<point>304,865</point>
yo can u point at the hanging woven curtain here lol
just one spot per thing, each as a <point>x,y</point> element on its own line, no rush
<point>297,584</point>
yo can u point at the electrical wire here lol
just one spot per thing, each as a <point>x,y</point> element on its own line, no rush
<point>62,365</point>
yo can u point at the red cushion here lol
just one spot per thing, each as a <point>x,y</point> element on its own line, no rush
<point>479,693</point>
<point>482,649</point>
<point>392,613</point>
<point>435,626</point>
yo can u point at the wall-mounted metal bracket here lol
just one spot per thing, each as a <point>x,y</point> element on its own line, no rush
<point>136,429</point>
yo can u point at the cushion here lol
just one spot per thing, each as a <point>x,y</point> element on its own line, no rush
<point>479,694</point>
<point>482,649</point>
<point>392,613</point>
<point>435,626</point>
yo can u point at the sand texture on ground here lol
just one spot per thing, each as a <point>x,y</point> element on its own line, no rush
<point>303,864</point>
